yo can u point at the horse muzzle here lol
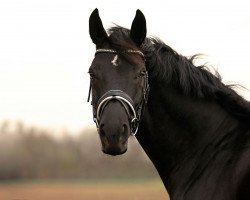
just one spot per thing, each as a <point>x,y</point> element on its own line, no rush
<point>114,129</point>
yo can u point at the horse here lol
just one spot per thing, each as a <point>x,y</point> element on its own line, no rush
<point>194,128</point>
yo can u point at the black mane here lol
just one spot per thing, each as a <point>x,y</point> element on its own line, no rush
<point>165,64</point>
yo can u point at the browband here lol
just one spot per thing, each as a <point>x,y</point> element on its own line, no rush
<point>115,52</point>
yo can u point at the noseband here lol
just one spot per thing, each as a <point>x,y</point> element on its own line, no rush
<point>134,112</point>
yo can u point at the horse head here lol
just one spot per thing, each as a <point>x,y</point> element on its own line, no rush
<point>119,82</point>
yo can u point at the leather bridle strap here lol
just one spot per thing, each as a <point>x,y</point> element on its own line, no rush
<point>134,114</point>
<point>115,52</point>
<point>125,101</point>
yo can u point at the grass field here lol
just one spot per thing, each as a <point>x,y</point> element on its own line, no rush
<point>83,190</point>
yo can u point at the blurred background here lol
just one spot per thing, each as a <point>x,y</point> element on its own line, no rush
<point>49,148</point>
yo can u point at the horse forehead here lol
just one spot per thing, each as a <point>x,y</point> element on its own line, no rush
<point>108,63</point>
<point>115,61</point>
<point>107,59</point>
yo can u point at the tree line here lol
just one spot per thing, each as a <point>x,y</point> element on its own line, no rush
<point>29,152</point>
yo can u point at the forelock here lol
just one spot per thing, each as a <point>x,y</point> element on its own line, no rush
<point>119,40</point>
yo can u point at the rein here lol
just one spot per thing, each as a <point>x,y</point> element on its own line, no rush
<point>134,113</point>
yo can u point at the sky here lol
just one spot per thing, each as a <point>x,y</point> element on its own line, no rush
<point>45,50</point>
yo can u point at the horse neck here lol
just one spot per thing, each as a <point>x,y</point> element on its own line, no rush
<point>177,130</point>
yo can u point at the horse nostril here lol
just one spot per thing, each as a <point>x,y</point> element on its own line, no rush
<point>124,129</point>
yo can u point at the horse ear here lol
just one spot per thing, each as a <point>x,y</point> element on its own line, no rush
<point>96,29</point>
<point>138,29</point>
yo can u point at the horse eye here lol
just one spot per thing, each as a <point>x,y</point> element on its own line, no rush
<point>92,75</point>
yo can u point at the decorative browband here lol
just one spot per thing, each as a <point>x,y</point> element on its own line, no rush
<point>115,52</point>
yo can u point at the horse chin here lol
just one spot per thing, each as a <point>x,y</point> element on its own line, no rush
<point>115,150</point>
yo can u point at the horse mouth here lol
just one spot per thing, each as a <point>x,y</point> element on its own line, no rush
<point>114,150</point>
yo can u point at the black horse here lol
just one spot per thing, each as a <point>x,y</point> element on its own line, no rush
<point>194,128</point>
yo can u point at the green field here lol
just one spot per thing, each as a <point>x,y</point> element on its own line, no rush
<point>83,190</point>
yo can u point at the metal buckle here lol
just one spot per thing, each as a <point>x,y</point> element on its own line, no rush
<point>134,126</point>
<point>96,122</point>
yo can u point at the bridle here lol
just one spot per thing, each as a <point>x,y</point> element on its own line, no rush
<point>134,112</point>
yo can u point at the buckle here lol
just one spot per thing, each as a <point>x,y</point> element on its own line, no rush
<point>134,126</point>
